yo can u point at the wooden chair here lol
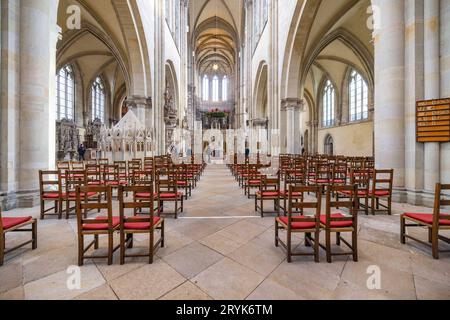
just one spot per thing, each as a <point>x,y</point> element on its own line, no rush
<point>139,225</point>
<point>167,191</point>
<point>434,222</point>
<point>94,174</point>
<point>122,169</point>
<point>103,225</point>
<point>111,176</point>
<point>50,186</point>
<point>142,178</point>
<point>300,224</point>
<point>77,165</point>
<point>382,190</point>
<point>103,162</point>
<point>361,178</point>
<point>76,179</point>
<point>339,223</point>
<point>269,190</point>
<point>18,224</point>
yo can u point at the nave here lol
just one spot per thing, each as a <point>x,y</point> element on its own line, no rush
<point>220,248</point>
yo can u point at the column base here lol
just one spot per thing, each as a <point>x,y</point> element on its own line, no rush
<point>22,199</point>
<point>414,197</point>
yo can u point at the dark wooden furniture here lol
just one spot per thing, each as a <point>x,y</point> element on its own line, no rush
<point>300,223</point>
<point>129,226</point>
<point>102,225</point>
<point>167,191</point>
<point>382,183</point>
<point>269,190</point>
<point>15,225</point>
<point>50,190</point>
<point>435,222</point>
<point>338,223</point>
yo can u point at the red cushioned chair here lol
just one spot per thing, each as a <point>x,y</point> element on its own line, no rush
<point>167,191</point>
<point>434,222</point>
<point>360,177</point>
<point>74,179</point>
<point>300,224</point>
<point>139,225</point>
<point>337,222</point>
<point>18,224</point>
<point>382,190</point>
<point>102,225</point>
<point>269,190</point>
<point>50,186</point>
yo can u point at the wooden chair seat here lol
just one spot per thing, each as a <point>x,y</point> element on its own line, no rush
<point>319,180</point>
<point>142,225</point>
<point>101,226</point>
<point>380,193</point>
<point>297,225</point>
<point>361,193</point>
<point>73,195</point>
<point>10,223</point>
<point>16,224</point>
<point>170,195</point>
<point>254,182</point>
<point>51,195</point>
<point>268,194</point>
<point>336,224</point>
<point>116,183</point>
<point>427,218</point>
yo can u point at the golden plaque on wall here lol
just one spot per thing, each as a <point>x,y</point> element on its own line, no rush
<point>433,120</point>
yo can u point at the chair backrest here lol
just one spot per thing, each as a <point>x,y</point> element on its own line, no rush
<point>350,203</point>
<point>103,161</point>
<point>93,173</point>
<point>110,172</point>
<point>131,204</point>
<point>360,177</point>
<point>270,183</point>
<point>74,179</point>
<point>77,165</point>
<point>134,165</point>
<point>83,205</point>
<point>294,204</point>
<point>165,185</point>
<point>50,179</point>
<point>440,202</point>
<point>383,180</point>
<point>339,174</point>
<point>142,178</point>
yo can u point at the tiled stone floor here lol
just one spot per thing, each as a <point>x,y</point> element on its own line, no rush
<point>221,249</point>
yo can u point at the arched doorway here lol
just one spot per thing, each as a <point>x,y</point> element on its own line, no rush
<point>329,145</point>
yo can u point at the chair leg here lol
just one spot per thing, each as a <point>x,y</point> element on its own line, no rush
<point>110,248</point>
<point>289,249</point>
<point>80,250</point>
<point>96,242</point>
<point>338,238</point>
<point>390,206</point>
<point>355,245</point>
<point>373,205</point>
<point>34,235</point>
<point>42,210</point>
<point>430,235</point>
<point>60,209</point>
<point>435,243</point>
<point>162,235</point>
<point>262,207</point>
<point>152,244</point>
<point>316,246</point>
<point>122,248</point>
<point>402,230</point>
<point>307,240</point>
<point>328,245</point>
<point>2,249</point>
<point>276,234</point>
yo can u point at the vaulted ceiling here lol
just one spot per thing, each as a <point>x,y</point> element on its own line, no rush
<point>216,26</point>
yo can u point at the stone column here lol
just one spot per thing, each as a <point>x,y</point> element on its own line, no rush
<point>445,79</point>
<point>432,87</point>
<point>414,91</point>
<point>35,76</point>
<point>389,40</point>
<point>292,109</point>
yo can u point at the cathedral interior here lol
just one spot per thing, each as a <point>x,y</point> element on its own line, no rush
<point>221,108</point>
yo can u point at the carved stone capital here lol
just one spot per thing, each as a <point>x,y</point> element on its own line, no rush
<point>292,104</point>
<point>138,102</point>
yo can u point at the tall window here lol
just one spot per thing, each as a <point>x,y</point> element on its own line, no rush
<point>359,97</point>
<point>215,88</point>
<point>98,100</point>
<point>328,104</point>
<point>65,91</point>
<point>225,88</point>
<point>205,88</point>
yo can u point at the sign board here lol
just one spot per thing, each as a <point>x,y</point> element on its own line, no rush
<point>433,120</point>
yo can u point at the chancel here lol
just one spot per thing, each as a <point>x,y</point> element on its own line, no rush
<point>225,150</point>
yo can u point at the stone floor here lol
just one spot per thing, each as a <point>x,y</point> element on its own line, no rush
<point>221,249</point>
